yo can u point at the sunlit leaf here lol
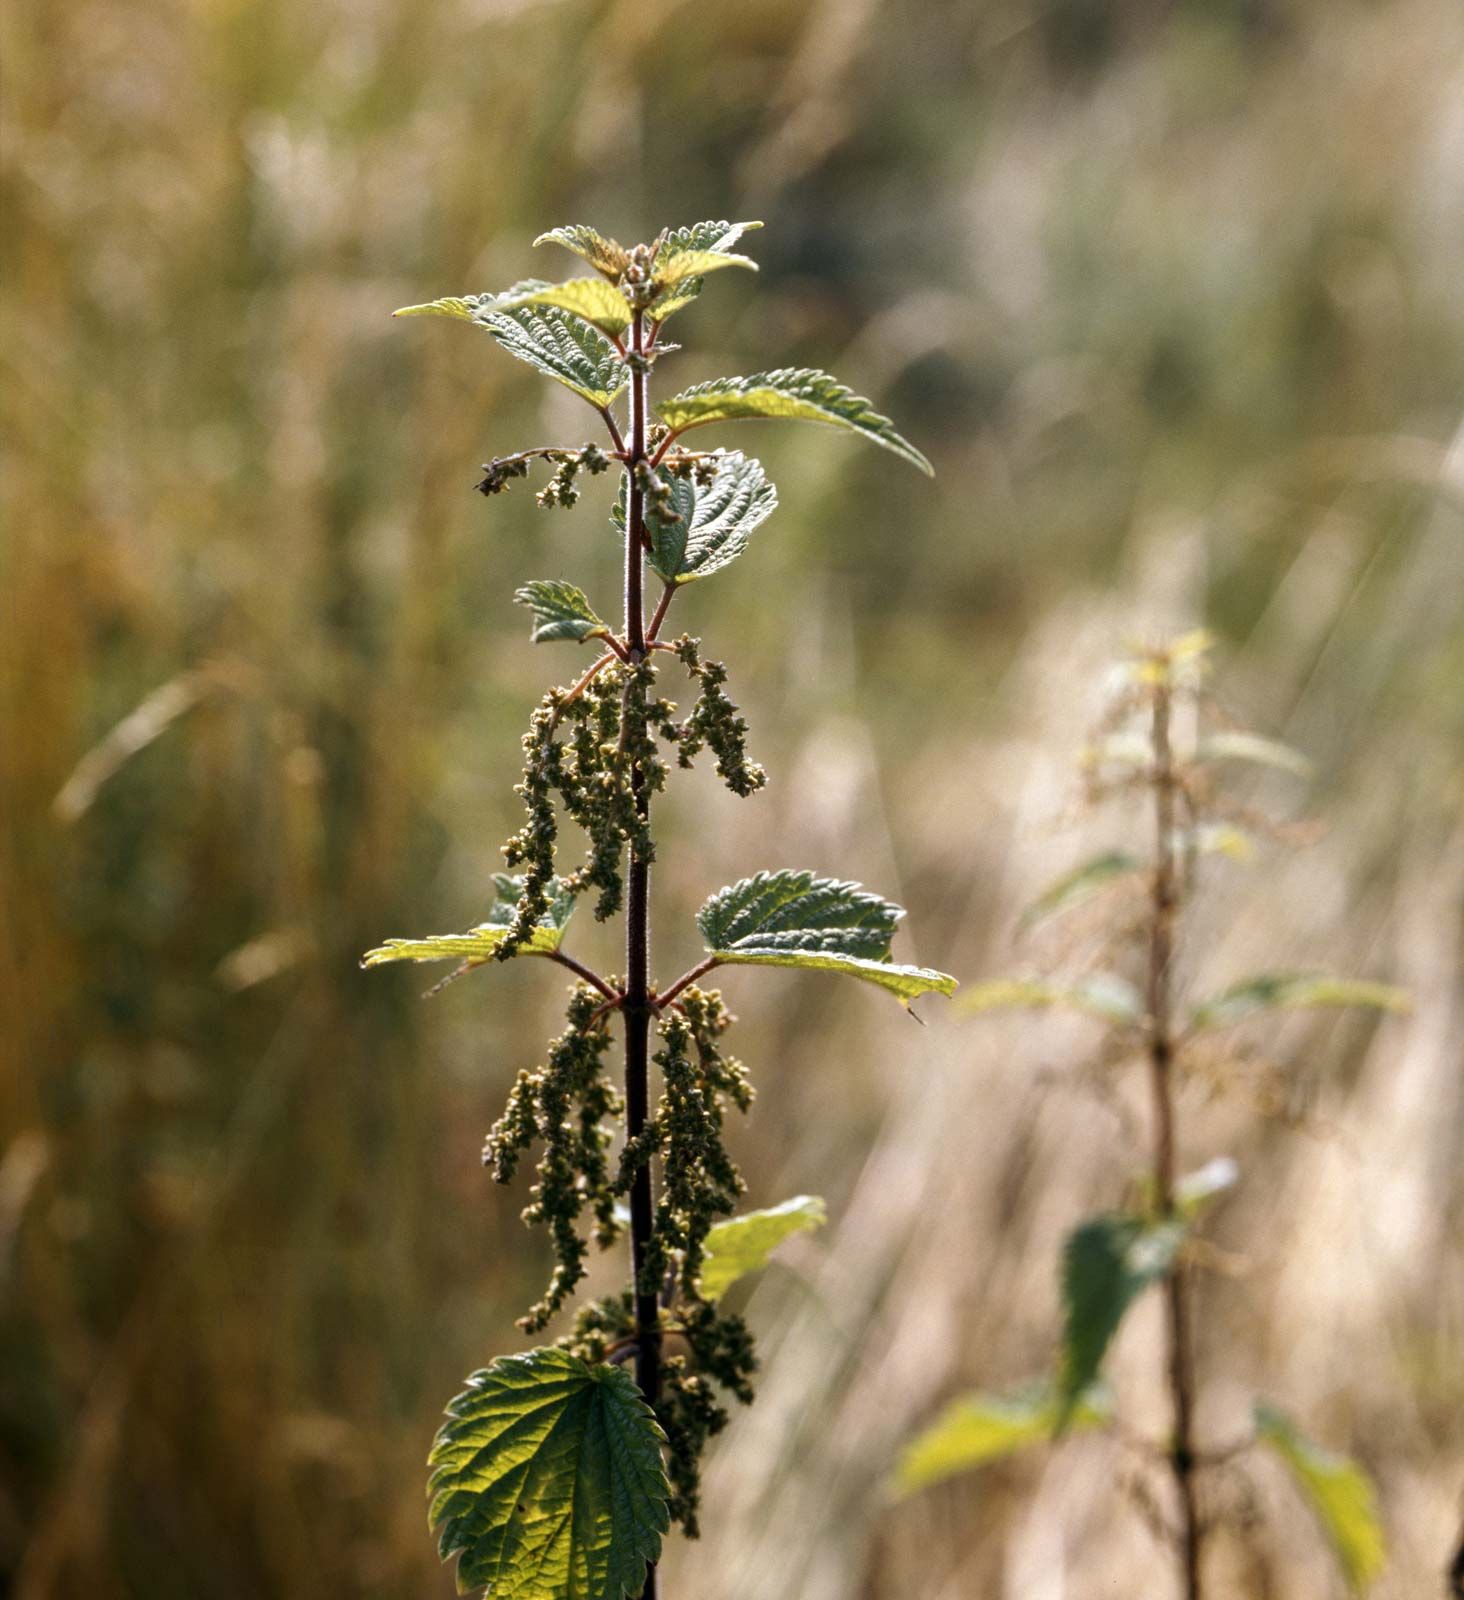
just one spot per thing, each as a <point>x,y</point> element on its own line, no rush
<point>1102,995</point>
<point>794,919</point>
<point>547,1481</point>
<point>478,944</point>
<point>1195,1191</point>
<point>980,1428</point>
<point>702,529</point>
<point>743,1244</point>
<point>1081,884</point>
<point>796,392</point>
<point>1338,1492</point>
<point>604,255</point>
<point>1236,746</point>
<point>1221,839</point>
<point>676,266</point>
<point>454,305</point>
<point>593,300</point>
<point>1107,1264</point>
<point>1271,991</point>
<point>718,236</point>
<point>561,611</point>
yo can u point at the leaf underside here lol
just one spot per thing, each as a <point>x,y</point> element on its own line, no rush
<point>1339,1493</point>
<point>561,611</point>
<point>547,1481</point>
<point>981,1428</point>
<point>1107,1264</point>
<point>604,255</point>
<point>794,919</point>
<point>743,1244</point>
<point>703,529</point>
<point>478,944</point>
<point>1271,991</point>
<point>791,392</point>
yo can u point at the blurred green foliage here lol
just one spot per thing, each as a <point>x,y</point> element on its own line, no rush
<point>1178,278</point>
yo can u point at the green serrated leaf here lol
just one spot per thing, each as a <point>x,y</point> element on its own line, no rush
<point>676,266</point>
<point>1270,991</point>
<point>1081,884</point>
<point>1339,1493</point>
<point>1107,1264</point>
<point>478,944</point>
<point>560,346</point>
<point>795,392</point>
<point>981,1428</point>
<point>1103,995</point>
<point>1236,746</point>
<point>593,300</point>
<point>675,299</point>
<point>743,1244</point>
<point>561,611</point>
<point>703,529</point>
<point>706,236</point>
<point>547,1481</point>
<point>794,919</point>
<point>604,255</point>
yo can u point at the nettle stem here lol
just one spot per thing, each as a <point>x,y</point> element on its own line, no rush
<point>1180,1351</point>
<point>637,1003</point>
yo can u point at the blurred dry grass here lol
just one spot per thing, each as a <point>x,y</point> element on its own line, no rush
<point>1172,294</point>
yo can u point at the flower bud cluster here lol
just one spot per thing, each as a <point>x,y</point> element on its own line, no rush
<point>716,722</point>
<point>567,1105</point>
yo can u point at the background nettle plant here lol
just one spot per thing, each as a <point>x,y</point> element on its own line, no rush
<point>556,1473</point>
<point>1163,739</point>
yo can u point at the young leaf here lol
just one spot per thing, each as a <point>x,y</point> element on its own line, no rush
<point>676,266</point>
<point>1338,1492</point>
<point>1235,746</point>
<point>478,944</point>
<point>592,300</point>
<point>704,528</point>
<point>793,919</point>
<point>604,255</point>
<point>1107,1263</point>
<point>1081,884</point>
<point>547,1481</point>
<point>743,1244</point>
<point>798,392</point>
<point>1269,991</point>
<point>561,611</point>
<point>454,305</point>
<point>560,346</point>
<point>1103,995</point>
<point>705,236</point>
<point>981,1428</point>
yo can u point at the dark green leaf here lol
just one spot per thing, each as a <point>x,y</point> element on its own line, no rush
<point>1107,1263</point>
<point>478,944</point>
<point>794,919</point>
<point>704,528</point>
<point>604,255</point>
<point>1269,991</point>
<point>547,1481</point>
<point>797,392</point>
<point>1338,1492</point>
<point>561,611</point>
<point>981,1428</point>
<point>743,1244</point>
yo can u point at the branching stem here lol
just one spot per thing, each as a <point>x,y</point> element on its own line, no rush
<point>1164,913</point>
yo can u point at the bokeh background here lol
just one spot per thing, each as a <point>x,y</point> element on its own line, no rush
<point>1173,294</point>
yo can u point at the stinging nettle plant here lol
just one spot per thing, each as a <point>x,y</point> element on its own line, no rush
<point>558,1472</point>
<point>1163,743</point>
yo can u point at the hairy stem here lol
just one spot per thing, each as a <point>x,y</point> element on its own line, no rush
<point>1180,1355</point>
<point>637,1005</point>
